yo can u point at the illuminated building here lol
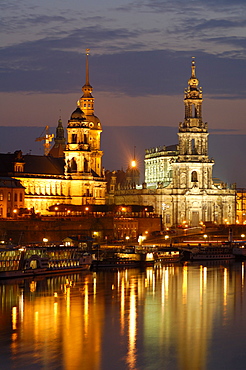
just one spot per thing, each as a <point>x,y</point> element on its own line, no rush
<point>178,178</point>
<point>241,206</point>
<point>12,195</point>
<point>69,174</point>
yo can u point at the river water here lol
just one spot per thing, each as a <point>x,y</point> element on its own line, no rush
<point>173,317</point>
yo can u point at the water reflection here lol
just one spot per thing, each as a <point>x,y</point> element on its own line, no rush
<point>172,317</point>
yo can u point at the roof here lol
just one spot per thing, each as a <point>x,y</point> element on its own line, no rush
<point>9,182</point>
<point>33,164</point>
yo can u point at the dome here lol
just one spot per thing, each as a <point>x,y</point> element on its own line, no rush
<point>78,114</point>
<point>94,122</point>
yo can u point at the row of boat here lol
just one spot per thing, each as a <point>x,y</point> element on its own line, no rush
<point>39,260</point>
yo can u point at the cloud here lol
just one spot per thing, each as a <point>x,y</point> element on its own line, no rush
<point>56,65</point>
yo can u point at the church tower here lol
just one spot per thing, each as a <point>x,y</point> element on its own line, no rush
<point>60,142</point>
<point>83,156</point>
<point>86,104</point>
<point>193,168</point>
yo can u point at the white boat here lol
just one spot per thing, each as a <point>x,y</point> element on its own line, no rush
<point>30,261</point>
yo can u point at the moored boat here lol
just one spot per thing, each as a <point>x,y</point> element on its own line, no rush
<point>209,253</point>
<point>30,261</point>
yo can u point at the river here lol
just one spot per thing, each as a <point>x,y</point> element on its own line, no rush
<point>173,317</point>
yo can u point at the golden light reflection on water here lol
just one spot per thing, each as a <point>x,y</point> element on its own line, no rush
<point>132,328</point>
<point>90,320</point>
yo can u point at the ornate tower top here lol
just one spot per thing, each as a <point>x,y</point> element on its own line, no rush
<point>86,102</point>
<point>193,105</point>
<point>193,81</point>
<point>87,88</point>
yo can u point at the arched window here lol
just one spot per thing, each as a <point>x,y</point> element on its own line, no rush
<point>73,165</point>
<point>74,138</point>
<point>194,176</point>
<point>1,196</point>
<point>9,197</point>
<point>193,147</point>
<point>85,165</point>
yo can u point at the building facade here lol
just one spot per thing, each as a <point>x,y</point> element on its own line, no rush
<point>178,178</point>
<point>12,195</point>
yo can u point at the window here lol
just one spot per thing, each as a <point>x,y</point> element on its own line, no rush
<point>21,197</point>
<point>1,196</point>
<point>73,165</point>
<point>15,197</point>
<point>74,138</point>
<point>194,176</point>
<point>9,197</point>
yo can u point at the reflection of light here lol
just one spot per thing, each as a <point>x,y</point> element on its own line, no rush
<point>94,285</point>
<point>86,308</point>
<point>184,285</point>
<point>21,306</point>
<point>33,285</point>
<point>166,274</point>
<point>201,281</point>
<point>55,316</point>
<point>225,286</point>
<point>163,290</point>
<point>14,344</point>
<point>205,277</point>
<point>131,355</point>
<point>36,331</point>
<point>14,318</point>
<point>122,307</point>
<point>243,274</point>
<point>68,300</point>
<point>145,282</point>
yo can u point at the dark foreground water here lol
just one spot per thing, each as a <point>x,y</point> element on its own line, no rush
<point>170,317</point>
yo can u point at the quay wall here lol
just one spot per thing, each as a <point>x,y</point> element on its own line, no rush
<point>55,230</point>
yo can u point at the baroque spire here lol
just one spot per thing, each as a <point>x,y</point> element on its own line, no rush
<point>86,102</point>
<point>87,88</point>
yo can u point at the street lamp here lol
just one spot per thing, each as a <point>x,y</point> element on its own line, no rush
<point>205,237</point>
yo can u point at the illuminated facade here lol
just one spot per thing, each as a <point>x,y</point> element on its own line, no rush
<point>178,179</point>
<point>241,206</point>
<point>71,173</point>
<point>12,195</point>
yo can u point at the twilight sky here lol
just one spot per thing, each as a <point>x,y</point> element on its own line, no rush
<point>139,65</point>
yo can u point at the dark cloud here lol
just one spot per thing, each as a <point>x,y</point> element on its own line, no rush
<point>198,27</point>
<point>57,65</point>
<point>164,5</point>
